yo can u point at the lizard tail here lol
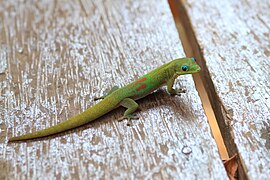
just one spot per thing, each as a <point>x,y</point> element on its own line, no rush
<point>92,113</point>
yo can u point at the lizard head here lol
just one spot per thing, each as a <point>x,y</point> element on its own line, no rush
<point>186,66</point>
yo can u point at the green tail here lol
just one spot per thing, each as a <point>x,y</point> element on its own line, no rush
<point>92,113</point>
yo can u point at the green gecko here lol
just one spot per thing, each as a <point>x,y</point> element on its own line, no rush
<point>125,96</point>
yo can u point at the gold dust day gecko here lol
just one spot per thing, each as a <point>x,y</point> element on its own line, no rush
<point>125,96</point>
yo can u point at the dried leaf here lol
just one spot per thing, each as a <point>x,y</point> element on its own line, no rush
<point>231,166</point>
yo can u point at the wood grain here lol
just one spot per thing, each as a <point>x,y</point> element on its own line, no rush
<point>234,37</point>
<point>60,55</point>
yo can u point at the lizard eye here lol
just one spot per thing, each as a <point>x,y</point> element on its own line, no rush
<point>184,68</point>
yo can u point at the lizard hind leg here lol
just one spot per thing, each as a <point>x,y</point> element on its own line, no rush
<point>114,88</point>
<point>131,106</point>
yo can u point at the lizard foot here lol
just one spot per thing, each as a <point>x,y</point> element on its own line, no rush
<point>107,93</point>
<point>178,92</point>
<point>98,98</point>
<point>129,118</point>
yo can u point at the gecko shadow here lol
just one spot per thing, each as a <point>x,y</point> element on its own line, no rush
<point>157,99</point>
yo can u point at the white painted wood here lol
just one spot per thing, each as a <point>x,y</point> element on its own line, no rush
<point>234,37</point>
<point>61,54</point>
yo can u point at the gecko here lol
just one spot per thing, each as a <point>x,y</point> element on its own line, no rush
<point>125,96</point>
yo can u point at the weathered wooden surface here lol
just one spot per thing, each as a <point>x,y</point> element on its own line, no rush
<point>59,56</point>
<point>234,37</point>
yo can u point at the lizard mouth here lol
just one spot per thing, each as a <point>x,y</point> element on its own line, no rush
<point>195,68</point>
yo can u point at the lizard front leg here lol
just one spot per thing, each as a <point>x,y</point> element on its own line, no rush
<point>131,106</point>
<point>170,88</point>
